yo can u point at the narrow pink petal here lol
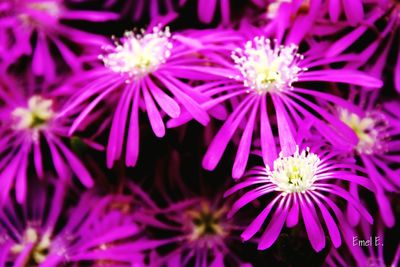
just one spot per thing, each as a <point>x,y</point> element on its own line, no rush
<point>89,108</point>
<point>334,9</point>
<point>37,159</point>
<point>397,73</point>
<point>342,76</point>
<point>76,165</point>
<point>118,125</point>
<point>293,216</point>
<point>42,63</point>
<point>354,10</point>
<point>385,209</point>
<point>255,225</point>
<point>224,135</point>
<point>246,183</point>
<point>70,58</point>
<point>23,255</point>
<point>21,178</point>
<point>61,168</point>
<point>225,11</point>
<point>7,177</point>
<point>330,223</point>
<point>153,114</point>
<point>249,197</point>
<point>167,104</point>
<point>313,227</point>
<point>345,42</point>
<point>191,106</point>
<point>242,154</point>
<point>132,147</point>
<point>206,10</point>
<point>286,138</point>
<point>334,189</point>
<point>93,16</point>
<point>268,147</point>
<point>274,227</point>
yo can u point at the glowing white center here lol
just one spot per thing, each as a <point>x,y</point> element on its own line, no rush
<point>40,247</point>
<point>368,130</point>
<point>295,173</point>
<point>266,67</point>
<point>35,116</point>
<point>137,55</point>
<point>52,8</point>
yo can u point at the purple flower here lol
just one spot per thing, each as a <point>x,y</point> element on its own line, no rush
<point>377,148</point>
<point>30,119</point>
<point>145,71</point>
<point>265,76</point>
<point>22,21</point>
<point>202,234</point>
<point>374,57</point>
<point>46,230</point>
<point>303,185</point>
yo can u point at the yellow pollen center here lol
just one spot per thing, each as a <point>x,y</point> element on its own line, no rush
<point>295,173</point>
<point>363,128</point>
<point>267,67</point>
<point>206,222</point>
<point>35,115</point>
<point>137,55</point>
<point>50,8</point>
<point>39,250</point>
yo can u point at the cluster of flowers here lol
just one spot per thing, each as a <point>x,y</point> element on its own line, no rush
<point>298,102</point>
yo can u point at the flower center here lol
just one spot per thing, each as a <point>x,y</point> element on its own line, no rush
<point>266,67</point>
<point>295,173</point>
<point>49,8</point>
<point>137,55</point>
<point>370,131</point>
<point>35,116</point>
<point>206,222</point>
<point>39,250</point>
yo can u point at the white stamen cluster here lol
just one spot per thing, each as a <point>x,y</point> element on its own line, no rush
<point>40,248</point>
<point>296,173</point>
<point>35,116</point>
<point>267,67</point>
<point>370,130</point>
<point>137,55</point>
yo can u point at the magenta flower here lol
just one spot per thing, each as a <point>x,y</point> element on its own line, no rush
<point>375,56</point>
<point>266,73</point>
<point>303,185</point>
<point>377,148</point>
<point>47,231</point>
<point>22,21</point>
<point>145,71</point>
<point>29,120</point>
<point>202,235</point>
